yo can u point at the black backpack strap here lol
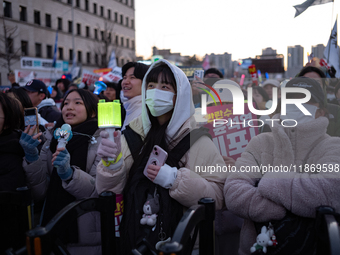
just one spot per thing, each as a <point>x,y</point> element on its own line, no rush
<point>184,145</point>
<point>133,140</point>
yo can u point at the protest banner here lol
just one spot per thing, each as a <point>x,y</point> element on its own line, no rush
<point>89,78</point>
<point>113,76</point>
<point>232,135</point>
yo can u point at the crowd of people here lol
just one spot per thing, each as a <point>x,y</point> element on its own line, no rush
<point>158,112</point>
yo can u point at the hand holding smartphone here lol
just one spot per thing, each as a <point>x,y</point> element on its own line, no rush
<point>31,118</point>
<point>157,157</point>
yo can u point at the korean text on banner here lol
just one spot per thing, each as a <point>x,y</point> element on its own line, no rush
<point>114,76</point>
<point>118,213</point>
<point>89,77</point>
<point>232,137</point>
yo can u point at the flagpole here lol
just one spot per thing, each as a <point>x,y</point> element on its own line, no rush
<point>74,53</point>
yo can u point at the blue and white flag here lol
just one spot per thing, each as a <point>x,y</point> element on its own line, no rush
<point>55,50</point>
<point>112,62</point>
<point>302,7</point>
<point>332,52</point>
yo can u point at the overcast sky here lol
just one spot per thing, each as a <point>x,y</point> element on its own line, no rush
<point>240,27</point>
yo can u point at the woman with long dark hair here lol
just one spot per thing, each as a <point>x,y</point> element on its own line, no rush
<point>63,175</point>
<point>167,121</point>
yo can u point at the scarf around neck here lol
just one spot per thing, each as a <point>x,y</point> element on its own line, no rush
<point>133,108</point>
<point>57,197</point>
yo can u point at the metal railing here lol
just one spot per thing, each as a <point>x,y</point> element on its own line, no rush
<point>201,216</point>
<point>44,240</point>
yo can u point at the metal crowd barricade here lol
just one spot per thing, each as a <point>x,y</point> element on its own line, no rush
<point>201,216</point>
<point>44,240</point>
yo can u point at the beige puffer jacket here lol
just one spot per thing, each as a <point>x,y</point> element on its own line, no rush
<point>189,185</point>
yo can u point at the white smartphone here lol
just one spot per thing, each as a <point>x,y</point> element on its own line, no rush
<point>157,157</point>
<point>199,74</point>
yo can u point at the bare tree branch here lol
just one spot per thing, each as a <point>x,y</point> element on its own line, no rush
<point>105,43</point>
<point>9,55</point>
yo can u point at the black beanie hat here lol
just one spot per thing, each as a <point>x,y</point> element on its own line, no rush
<point>309,69</point>
<point>213,70</point>
<point>310,84</point>
<point>140,69</point>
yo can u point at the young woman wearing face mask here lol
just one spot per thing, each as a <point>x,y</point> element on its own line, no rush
<point>63,175</point>
<point>264,197</point>
<point>167,118</point>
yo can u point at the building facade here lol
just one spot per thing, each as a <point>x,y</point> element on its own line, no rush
<point>88,30</point>
<point>318,50</point>
<point>295,60</point>
<point>222,62</point>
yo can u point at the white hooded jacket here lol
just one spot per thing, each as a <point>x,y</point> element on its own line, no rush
<point>189,185</point>
<point>184,107</point>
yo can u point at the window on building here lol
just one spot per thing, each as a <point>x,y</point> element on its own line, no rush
<point>70,54</point>
<point>49,51</point>
<point>96,58</point>
<point>60,24</point>
<point>7,9</point>
<point>109,14</point>
<point>122,41</point>
<point>48,20</point>
<point>94,8</point>
<point>116,40</point>
<point>102,35</point>
<point>23,13</point>
<point>104,60</point>
<point>132,3</point>
<point>10,45</point>
<point>37,17</point>
<point>61,53</point>
<point>127,42</point>
<point>69,2</point>
<point>102,11</point>
<point>79,56</point>
<point>117,60</point>
<point>86,5</point>
<point>38,50</point>
<point>122,61</point>
<point>132,24</point>
<point>127,2</point>
<point>127,21</point>
<point>95,33</point>
<point>88,58</point>
<point>24,48</point>
<point>109,37</point>
<point>78,3</point>
<point>87,31</point>
<point>121,19</point>
<point>132,44</point>
<point>78,29</point>
<point>116,16</point>
<point>70,26</point>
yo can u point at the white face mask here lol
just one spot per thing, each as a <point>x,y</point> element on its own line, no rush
<point>293,112</point>
<point>159,101</point>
